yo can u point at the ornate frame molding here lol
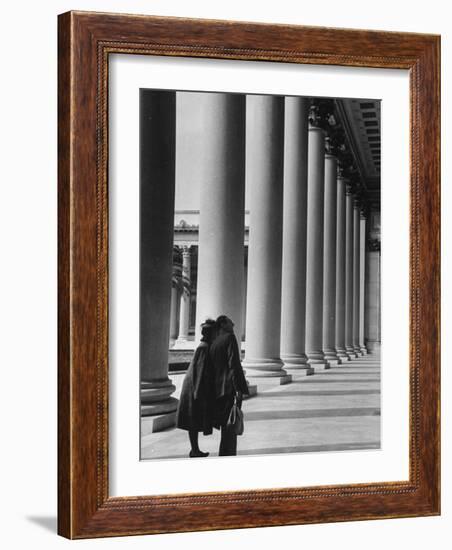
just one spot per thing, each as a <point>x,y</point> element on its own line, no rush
<point>85,42</point>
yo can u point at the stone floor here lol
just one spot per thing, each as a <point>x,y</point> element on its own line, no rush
<point>332,410</point>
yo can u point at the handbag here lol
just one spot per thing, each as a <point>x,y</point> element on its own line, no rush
<point>235,420</point>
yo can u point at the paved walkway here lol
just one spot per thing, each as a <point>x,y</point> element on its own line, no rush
<point>333,410</point>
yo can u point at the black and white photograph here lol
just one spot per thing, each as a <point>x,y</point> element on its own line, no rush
<point>259,274</point>
<point>225,227</point>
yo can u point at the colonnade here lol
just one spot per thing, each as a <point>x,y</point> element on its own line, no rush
<point>305,284</point>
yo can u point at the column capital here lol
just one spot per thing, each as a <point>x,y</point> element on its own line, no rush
<point>321,114</point>
<point>177,257</point>
<point>364,212</point>
<point>373,245</point>
<point>340,169</point>
<point>360,200</point>
<point>186,250</point>
<point>330,149</point>
<point>349,187</point>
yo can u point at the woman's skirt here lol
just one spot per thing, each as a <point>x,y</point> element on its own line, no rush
<point>194,414</point>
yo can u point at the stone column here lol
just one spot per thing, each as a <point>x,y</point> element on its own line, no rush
<point>245,290</point>
<point>349,273</point>
<point>356,275</point>
<point>340,270</point>
<point>362,278</point>
<point>264,175</point>
<point>329,261</point>
<point>221,154</point>
<point>314,249</point>
<point>184,313</point>
<point>373,299</point>
<point>372,283</point>
<point>174,330</point>
<point>157,178</point>
<point>293,300</point>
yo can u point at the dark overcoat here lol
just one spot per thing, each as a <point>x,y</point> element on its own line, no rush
<point>228,375</point>
<point>195,409</point>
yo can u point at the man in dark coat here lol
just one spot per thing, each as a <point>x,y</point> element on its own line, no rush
<point>229,381</point>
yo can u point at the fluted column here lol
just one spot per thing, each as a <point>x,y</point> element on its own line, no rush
<point>356,275</point>
<point>329,261</point>
<point>293,300</point>
<point>221,154</point>
<point>349,273</point>
<point>362,278</point>
<point>340,270</point>
<point>184,313</point>
<point>157,183</point>
<point>264,175</point>
<point>314,249</point>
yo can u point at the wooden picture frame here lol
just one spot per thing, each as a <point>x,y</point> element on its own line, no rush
<point>85,508</point>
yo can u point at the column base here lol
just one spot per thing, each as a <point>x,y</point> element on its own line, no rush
<point>265,382</point>
<point>332,357</point>
<point>363,350</point>
<point>298,372</point>
<point>158,423</point>
<point>319,366</point>
<point>317,360</point>
<point>296,364</point>
<point>334,362</point>
<point>373,347</point>
<point>155,398</point>
<point>342,355</point>
<point>351,353</point>
<point>252,391</point>
<point>266,372</point>
<point>258,368</point>
<point>162,407</point>
<point>183,343</point>
<point>294,360</point>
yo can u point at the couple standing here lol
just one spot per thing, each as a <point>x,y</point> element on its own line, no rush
<point>213,381</point>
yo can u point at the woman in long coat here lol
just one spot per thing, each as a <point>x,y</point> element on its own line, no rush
<point>230,382</point>
<point>195,409</point>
